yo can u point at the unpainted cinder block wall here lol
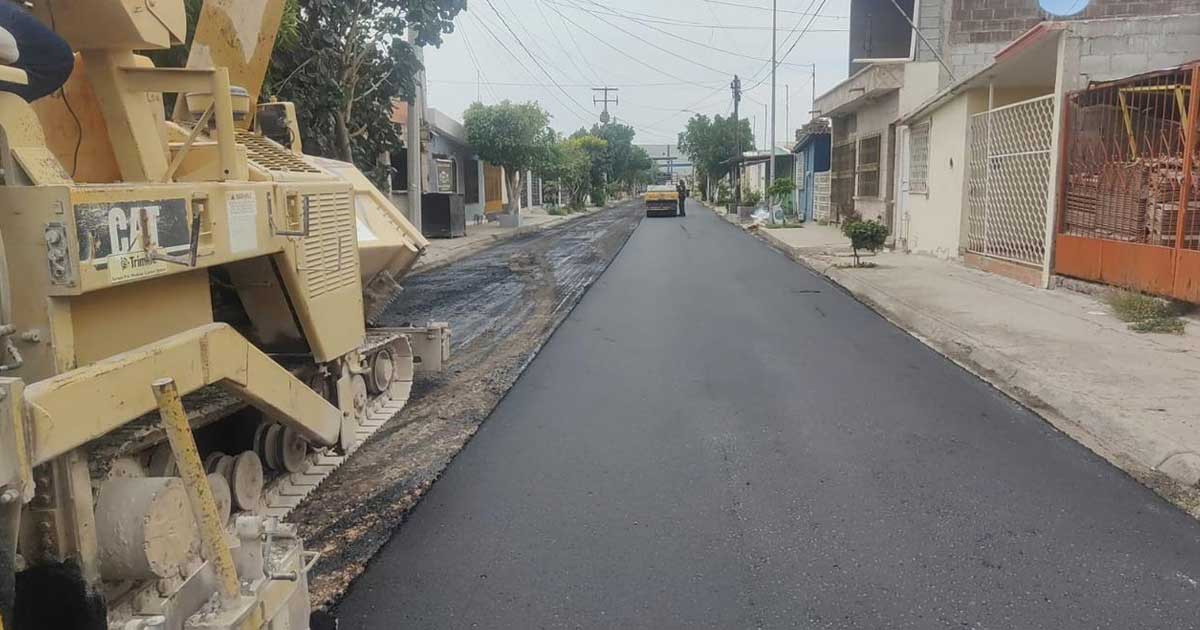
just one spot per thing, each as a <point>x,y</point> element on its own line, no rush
<point>972,31</point>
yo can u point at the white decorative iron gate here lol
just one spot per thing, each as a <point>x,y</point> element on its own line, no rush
<point>1007,178</point>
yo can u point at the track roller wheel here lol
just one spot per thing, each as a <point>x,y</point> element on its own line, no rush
<point>293,451</point>
<point>383,370</point>
<point>271,442</point>
<point>362,396</point>
<point>246,481</point>
<point>222,496</point>
<point>211,460</point>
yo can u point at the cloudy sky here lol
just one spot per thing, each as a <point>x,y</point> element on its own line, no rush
<point>668,57</point>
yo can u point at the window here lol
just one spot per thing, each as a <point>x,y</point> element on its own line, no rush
<point>868,167</point>
<point>399,170</point>
<point>471,179</point>
<point>800,175</point>
<point>918,158</point>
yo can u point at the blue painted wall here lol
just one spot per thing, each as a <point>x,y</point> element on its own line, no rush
<point>814,154</point>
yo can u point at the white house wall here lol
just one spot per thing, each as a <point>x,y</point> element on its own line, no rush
<point>935,222</point>
<point>873,119</point>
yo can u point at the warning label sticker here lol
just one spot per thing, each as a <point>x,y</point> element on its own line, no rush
<point>243,221</point>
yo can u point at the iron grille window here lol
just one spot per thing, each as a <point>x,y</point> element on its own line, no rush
<point>918,158</point>
<point>801,175</point>
<point>868,167</point>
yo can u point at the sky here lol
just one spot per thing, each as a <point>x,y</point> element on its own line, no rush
<point>669,59</point>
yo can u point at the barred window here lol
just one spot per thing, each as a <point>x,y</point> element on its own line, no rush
<point>868,167</point>
<point>918,158</point>
<point>800,175</point>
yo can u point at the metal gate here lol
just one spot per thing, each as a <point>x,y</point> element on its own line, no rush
<point>1008,176</point>
<point>842,185</point>
<point>1130,212</point>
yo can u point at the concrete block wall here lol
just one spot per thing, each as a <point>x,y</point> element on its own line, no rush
<point>975,30</point>
<point>930,23</point>
<point>1001,21</point>
<point>1104,50</point>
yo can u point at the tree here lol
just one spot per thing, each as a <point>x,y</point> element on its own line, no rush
<point>571,164</point>
<point>347,65</point>
<point>869,235</point>
<point>640,169</point>
<point>711,143</point>
<point>781,191</point>
<point>511,135</point>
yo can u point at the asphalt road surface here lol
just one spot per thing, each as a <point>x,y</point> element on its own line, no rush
<point>717,438</point>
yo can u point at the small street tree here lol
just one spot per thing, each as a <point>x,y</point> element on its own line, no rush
<point>869,235</point>
<point>639,170</point>
<point>511,135</point>
<point>571,164</point>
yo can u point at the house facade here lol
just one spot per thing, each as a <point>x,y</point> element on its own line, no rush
<point>980,159</point>
<point>952,134</point>
<point>811,151</point>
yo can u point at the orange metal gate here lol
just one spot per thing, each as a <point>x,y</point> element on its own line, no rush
<point>1130,173</point>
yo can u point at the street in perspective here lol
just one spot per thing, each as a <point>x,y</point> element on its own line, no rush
<point>745,314</point>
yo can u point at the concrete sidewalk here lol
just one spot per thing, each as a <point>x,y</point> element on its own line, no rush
<point>1131,398</point>
<point>443,251</point>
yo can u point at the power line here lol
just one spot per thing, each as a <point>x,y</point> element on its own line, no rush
<point>566,53</point>
<point>537,43</point>
<point>774,53</point>
<point>535,59</point>
<point>644,41</point>
<point>523,67</point>
<point>574,85</point>
<point>622,52</point>
<point>670,34</point>
<point>795,41</point>
<point>762,8</point>
<point>575,42</point>
<point>688,24</point>
<point>478,71</point>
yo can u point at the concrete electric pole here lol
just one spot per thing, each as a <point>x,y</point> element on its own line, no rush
<point>771,135</point>
<point>736,86</point>
<point>416,111</point>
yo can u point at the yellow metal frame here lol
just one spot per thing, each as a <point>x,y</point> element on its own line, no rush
<point>71,409</point>
<point>1180,101</point>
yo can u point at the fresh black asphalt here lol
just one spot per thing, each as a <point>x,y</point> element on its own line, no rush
<point>718,438</point>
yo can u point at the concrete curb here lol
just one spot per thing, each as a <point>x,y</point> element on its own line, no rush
<point>1100,433</point>
<point>497,239</point>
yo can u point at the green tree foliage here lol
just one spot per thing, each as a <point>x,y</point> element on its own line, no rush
<point>571,164</point>
<point>869,235</point>
<point>512,135</point>
<point>781,191</point>
<point>345,64</point>
<point>640,169</point>
<point>709,143</point>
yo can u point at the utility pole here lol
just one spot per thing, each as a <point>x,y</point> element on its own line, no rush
<point>604,118</point>
<point>787,113</point>
<point>416,111</point>
<point>774,54</point>
<point>736,86</point>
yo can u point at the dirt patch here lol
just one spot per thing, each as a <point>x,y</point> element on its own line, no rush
<point>502,305</point>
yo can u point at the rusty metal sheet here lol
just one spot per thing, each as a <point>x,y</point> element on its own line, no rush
<point>1187,276</point>
<point>1077,256</point>
<point>1146,268</point>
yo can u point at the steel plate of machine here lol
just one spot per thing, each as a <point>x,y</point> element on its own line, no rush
<point>113,229</point>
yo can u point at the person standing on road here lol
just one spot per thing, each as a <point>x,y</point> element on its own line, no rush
<point>681,188</point>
